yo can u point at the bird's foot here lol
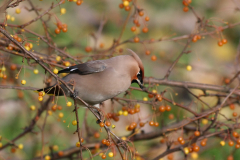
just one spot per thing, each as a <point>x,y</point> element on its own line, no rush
<point>74,95</point>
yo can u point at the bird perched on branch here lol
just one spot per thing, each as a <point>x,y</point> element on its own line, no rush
<point>97,81</point>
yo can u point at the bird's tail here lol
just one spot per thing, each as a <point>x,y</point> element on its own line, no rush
<point>53,90</point>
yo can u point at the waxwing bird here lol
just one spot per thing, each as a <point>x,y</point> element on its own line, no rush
<point>97,81</point>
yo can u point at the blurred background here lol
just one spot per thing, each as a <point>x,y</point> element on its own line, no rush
<point>207,62</point>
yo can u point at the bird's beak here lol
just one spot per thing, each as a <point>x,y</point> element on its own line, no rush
<point>140,84</point>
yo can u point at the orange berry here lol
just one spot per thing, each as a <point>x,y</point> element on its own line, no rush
<point>121,5</point>
<point>220,43</point>
<point>15,37</point>
<point>147,52</point>
<point>168,108</point>
<point>134,124</point>
<point>64,25</point>
<point>101,45</point>
<point>230,157</point>
<point>185,2</point>
<point>57,30</point>
<point>232,106</point>
<point>54,107</point>
<point>127,8</point>
<point>104,141</point>
<point>195,38</point>
<point>13,150</point>
<point>230,143</point>
<point>145,30</point>
<point>108,123</point>
<point>108,143</point>
<point>234,114</point>
<point>238,141</point>
<point>96,135</point>
<point>4,76</point>
<point>171,116</point>
<point>227,80</point>
<point>79,2</point>
<point>147,18</point>
<point>141,13</point>
<point>64,29</point>
<point>196,148</point>
<point>182,142</point>
<point>156,124</point>
<point>154,58</point>
<point>60,153</point>
<point>137,110</point>
<point>10,48</point>
<point>13,67</point>
<point>101,124</point>
<point>197,133</point>
<point>88,49</point>
<point>180,139</point>
<point>185,9</point>
<point>133,28</point>
<point>162,108</point>
<point>59,108</point>
<point>203,143</point>
<point>224,41</point>
<point>131,111</point>
<point>159,97</point>
<point>141,124</point>
<point>235,134</point>
<point>170,157</point>
<point>59,25</point>
<point>136,39</point>
<point>130,127</point>
<point>124,108</point>
<point>237,146</point>
<point>135,21</point>
<point>151,123</point>
<point>19,39</point>
<point>104,156</point>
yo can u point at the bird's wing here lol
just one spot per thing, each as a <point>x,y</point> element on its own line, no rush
<point>86,68</point>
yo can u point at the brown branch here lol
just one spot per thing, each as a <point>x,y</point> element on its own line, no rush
<point>78,129</point>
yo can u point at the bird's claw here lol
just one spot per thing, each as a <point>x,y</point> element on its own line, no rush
<point>74,95</point>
